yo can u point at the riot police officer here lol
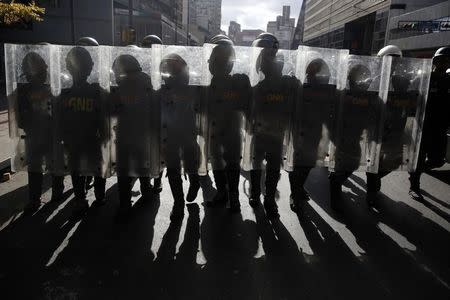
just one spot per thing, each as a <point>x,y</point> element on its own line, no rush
<point>397,110</point>
<point>179,104</point>
<point>434,135</point>
<point>360,112</point>
<point>131,107</point>
<point>147,42</point>
<point>313,112</point>
<point>227,101</point>
<point>269,118</point>
<point>34,116</point>
<point>84,127</point>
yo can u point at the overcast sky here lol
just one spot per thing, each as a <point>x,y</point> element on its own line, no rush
<point>254,14</point>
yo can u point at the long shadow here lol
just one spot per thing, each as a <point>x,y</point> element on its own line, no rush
<point>395,265</point>
<point>443,175</point>
<point>228,245</point>
<point>443,203</point>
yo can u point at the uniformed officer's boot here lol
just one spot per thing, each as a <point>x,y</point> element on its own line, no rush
<point>176,186</point>
<point>270,205</point>
<point>79,189</point>
<point>221,196</point>
<point>294,199</point>
<point>335,191</point>
<point>146,187</point>
<point>157,187</point>
<point>255,188</point>
<point>57,188</point>
<point>35,181</point>
<point>414,190</point>
<point>99,191</point>
<point>194,186</point>
<point>233,190</point>
<point>373,187</point>
<point>125,184</point>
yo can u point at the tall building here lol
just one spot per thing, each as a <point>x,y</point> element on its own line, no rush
<point>357,25</point>
<point>283,28</point>
<point>233,30</point>
<point>247,36</point>
<point>299,30</point>
<point>209,15</point>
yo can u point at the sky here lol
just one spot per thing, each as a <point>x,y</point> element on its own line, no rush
<point>254,14</point>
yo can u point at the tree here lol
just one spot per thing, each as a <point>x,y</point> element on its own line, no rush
<point>19,14</point>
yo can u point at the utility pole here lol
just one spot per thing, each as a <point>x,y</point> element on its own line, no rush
<point>72,21</point>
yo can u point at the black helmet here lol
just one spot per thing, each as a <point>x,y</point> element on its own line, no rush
<point>124,65</point>
<point>43,44</point>
<point>359,77</point>
<point>318,72</point>
<point>266,40</point>
<point>220,39</point>
<point>174,70</point>
<point>34,68</point>
<point>444,51</point>
<point>149,40</point>
<point>132,46</point>
<point>79,62</point>
<point>87,41</point>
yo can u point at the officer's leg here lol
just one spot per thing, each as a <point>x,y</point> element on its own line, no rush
<point>374,186</point>
<point>157,187</point>
<point>176,186</point>
<point>191,161</point>
<point>272,178</point>
<point>99,190</point>
<point>233,173</point>
<point>146,186</point>
<point>414,177</point>
<point>299,195</point>
<point>125,185</point>
<point>255,174</point>
<point>221,186</point>
<point>35,180</point>
<point>88,182</point>
<point>336,180</point>
<point>57,187</point>
<point>79,184</point>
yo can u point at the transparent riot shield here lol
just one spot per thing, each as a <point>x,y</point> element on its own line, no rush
<point>227,99</point>
<point>357,132</point>
<point>132,113</point>
<point>82,118</point>
<point>322,73</point>
<point>30,97</point>
<point>404,113</point>
<point>182,145</point>
<point>273,98</point>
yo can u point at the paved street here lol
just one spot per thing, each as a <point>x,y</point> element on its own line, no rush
<point>399,251</point>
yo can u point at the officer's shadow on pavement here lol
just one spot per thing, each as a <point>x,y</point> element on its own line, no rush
<point>442,175</point>
<point>401,245</point>
<point>105,257</point>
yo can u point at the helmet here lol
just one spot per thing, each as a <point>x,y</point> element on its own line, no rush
<point>174,70</point>
<point>124,65</point>
<point>132,46</point>
<point>34,68</point>
<point>318,72</point>
<point>79,62</point>
<point>390,50</point>
<point>87,41</point>
<point>149,40</point>
<point>444,51</point>
<point>217,39</point>
<point>43,44</point>
<point>359,77</point>
<point>266,40</point>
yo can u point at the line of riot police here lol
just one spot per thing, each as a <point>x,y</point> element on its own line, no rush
<point>90,110</point>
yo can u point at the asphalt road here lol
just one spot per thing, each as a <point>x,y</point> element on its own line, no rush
<point>398,251</point>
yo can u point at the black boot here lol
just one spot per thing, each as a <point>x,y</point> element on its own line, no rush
<point>255,188</point>
<point>299,195</point>
<point>221,196</point>
<point>99,191</point>
<point>57,188</point>
<point>124,185</point>
<point>335,191</point>
<point>373,187</point>
<point>157,187</point>
<point>35,181</point>
<point>176,185</point>
<point>146,187</point>
<point>233,190</point>
<point>270,205</point>
<point>194,187</point>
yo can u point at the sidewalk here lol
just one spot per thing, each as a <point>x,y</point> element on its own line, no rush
<point>398,251</point>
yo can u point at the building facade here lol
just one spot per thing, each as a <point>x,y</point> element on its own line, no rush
<point>283,28</point>
<point>299,29</point>
<point>358,25</point>
<point>209,15</point>
<point>234,29</point>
